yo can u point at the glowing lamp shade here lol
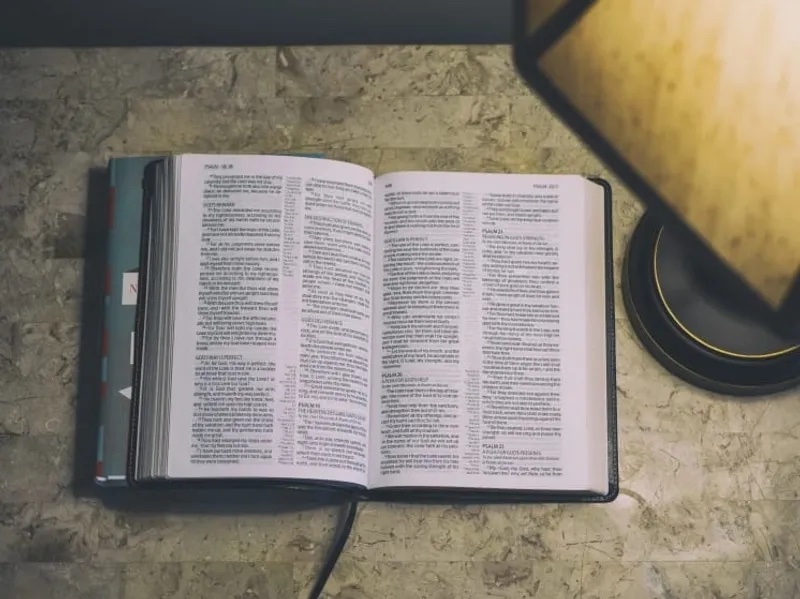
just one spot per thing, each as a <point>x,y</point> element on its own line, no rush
<point>695,105</point>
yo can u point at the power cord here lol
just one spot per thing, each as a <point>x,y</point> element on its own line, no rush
<point>346,519</point>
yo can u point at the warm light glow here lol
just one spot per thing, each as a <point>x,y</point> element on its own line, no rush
<point>703,100</point>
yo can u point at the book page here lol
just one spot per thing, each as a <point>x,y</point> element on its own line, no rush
<point>484,333</point>
<point>272,360</point>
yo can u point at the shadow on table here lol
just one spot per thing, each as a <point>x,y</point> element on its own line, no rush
<point>87,413</point>
<point>216,501</point>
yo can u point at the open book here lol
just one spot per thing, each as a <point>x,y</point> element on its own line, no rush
<point>303,322</point>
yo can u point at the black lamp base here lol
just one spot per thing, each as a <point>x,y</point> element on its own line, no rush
<point>696,325</point>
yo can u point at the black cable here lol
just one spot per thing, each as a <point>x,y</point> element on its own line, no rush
<point>346,519</point>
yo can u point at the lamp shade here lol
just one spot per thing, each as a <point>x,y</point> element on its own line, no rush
<point>695,104</point>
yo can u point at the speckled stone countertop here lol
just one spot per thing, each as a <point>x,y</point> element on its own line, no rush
<point>709,501</point>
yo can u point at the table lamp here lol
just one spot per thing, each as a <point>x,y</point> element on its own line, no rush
<point>695,106</point>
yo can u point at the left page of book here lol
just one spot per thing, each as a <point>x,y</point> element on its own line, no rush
<point>273,320</point>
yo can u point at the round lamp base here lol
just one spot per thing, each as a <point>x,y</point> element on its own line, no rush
<point>694,323</point>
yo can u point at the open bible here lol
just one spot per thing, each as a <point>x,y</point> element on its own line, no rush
<point>303,322</point>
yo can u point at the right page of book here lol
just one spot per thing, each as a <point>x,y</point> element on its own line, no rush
<point>491,329</point>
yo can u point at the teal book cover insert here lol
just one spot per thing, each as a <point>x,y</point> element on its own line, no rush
<point>125,226</point>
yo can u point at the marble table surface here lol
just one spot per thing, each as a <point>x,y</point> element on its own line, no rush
<point>709,501</point>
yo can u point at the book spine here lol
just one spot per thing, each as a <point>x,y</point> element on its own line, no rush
<point>100,475</point>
